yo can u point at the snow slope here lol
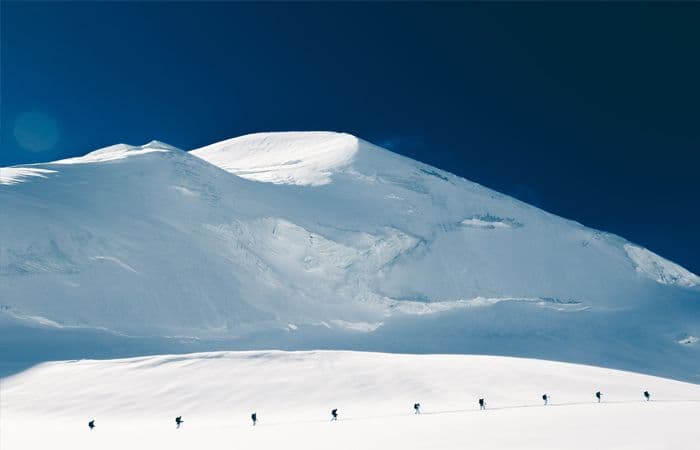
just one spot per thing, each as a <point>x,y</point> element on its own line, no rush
<point>283,158</point>
<point>134,403</point>
<point>660,269</point>
<point>318,240</point>
<point>14,175</point>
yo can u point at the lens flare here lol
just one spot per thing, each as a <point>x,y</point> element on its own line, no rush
<point>36,132</point>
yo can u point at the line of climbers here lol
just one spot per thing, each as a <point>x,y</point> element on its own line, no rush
<point>416,409</point>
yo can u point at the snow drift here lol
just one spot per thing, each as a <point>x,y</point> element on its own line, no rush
<point>308,240</point>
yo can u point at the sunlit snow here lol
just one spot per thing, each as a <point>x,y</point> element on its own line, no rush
<point>134,403</point>
<point>133,249</point>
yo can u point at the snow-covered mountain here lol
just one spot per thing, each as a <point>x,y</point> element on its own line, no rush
<point>308,240</point>
<point>134,403</point>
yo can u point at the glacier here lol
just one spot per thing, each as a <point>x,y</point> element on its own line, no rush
<point>305,240</point>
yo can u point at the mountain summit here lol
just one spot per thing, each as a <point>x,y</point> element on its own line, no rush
<point>307,240</point>
<point>307,159</point>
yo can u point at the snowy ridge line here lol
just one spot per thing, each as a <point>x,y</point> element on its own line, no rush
<point>323,228</point>
<point>660,269</point>
<point>117,152</point>
<point>15,175</point>
<point>295,158</point>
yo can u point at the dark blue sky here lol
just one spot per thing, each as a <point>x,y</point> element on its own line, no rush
<point>590,111</point>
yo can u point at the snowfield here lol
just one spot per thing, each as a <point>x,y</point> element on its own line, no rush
<point>318,240</point>
<point>134,403</point>
<point>301,241</point>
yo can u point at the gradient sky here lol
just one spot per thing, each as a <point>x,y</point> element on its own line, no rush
<point>590,111</point>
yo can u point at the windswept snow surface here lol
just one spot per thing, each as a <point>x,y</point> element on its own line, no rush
<point>660,269</point>
<point>14,175</point>
<point>284,158</point>
<point>134,403</point>
<point>133,250</point>
<point>114,152</point>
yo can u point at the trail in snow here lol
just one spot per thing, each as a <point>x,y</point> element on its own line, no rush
<point>461,411</point>
<point>134,403</point>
